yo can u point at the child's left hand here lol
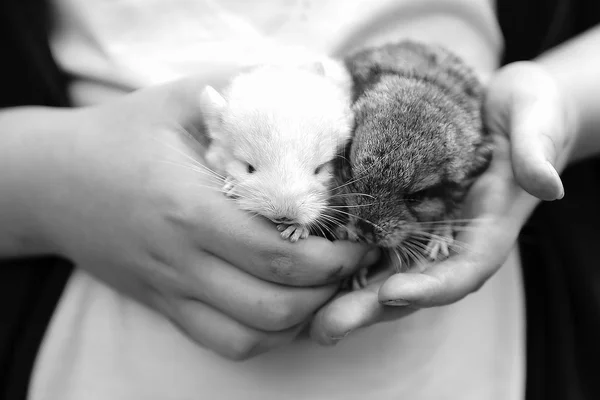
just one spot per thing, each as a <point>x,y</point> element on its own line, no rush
<point>534,131</point>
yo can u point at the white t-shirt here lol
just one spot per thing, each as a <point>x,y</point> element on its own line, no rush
<point>117,45</point>
<point>101,345</point>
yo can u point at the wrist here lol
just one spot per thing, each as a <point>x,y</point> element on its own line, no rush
<point>31,141</point>
<point>574,65</point>
<point>571,114</point>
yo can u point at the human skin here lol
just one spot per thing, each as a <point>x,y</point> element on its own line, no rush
<point>545,116</point>
<point>121,190</point>
<point>73,171</point>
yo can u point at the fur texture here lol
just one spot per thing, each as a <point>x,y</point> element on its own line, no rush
<point>275,131</point>
<point>418,145</point>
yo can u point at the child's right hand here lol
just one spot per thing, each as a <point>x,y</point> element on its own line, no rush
<point>121,191</point>
<point>534,130</point>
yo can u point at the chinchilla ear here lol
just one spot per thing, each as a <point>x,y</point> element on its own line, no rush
<point>332,69</point>
<point>212,104</point>
<point>316,67</point>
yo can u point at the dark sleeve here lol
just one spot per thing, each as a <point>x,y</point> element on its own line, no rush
<point>561,265</point>
<point>562,279</point>
<point>531,27</point>
<point>29,74</point>
<point>29,288</point>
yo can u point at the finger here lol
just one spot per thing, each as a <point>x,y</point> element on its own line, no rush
<point>313,261</point>
<point>180,99</point>
<point>486,247</point>
<point>252,301</point>
<point>538,136</point>
<point>497,208</point>
<point>216,331</point>
<point>254,244</point>
<point>534,115</point>
<point>244,240</point>
<point>350,311</point>
<point>216,224</point>
<point>177,103</point>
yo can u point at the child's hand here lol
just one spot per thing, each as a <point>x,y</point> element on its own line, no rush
<point>534,129</point>
<point>124,193</point>
<point>525,106</point>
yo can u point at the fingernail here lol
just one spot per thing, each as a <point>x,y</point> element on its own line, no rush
<point>333,340</point>
<point>396,302</point>
<point>554,173</point>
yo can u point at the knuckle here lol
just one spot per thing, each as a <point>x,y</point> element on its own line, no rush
<point>281,314</point>
<point>292,268</point>
<point>180,214</point>
<point>244,348</point>
<point>317,262</point>
<point>477,284</point>
<point>164,275</point>
<point>282,267</point>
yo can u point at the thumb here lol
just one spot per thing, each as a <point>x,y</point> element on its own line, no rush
<point>179,101</point>
<point>524,103</point>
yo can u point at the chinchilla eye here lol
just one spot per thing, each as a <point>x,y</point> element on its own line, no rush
<point>250,168</point>
<point>437,191</point>
<point>416,197</point>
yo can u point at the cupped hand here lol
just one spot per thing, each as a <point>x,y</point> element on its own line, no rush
<point>534,126</point>
<point>126,195</point>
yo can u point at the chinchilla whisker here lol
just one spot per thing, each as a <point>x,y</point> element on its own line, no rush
<point>355,216</point>
<point>405,258</point>
<point>401,262</point>
<point>194,165</point>
<point>350,182</point>
<point>452,242</point>
<point>332,220</point>
<point>195,183</point>
<point>355,206</point>
<point>343,157</point>
<point>252,216</point>
<point>430,235</point>
<point>195,132</point>
<point>196,168</point>
<point>247,196</point>
<point>340,223</point>
<point>362,176</point>
<point>198,185</point>
<point>414,255</point>
<point>178,151</point>
<point>410,244</point>
<point>331,232</point>
<point>454,221</point>
<point>460,245</point>
<point>416,244</point>
<point>420,249</point>
<point>249,192</point>
<point>318,226</point>
<point>351,194</point>
<point>408,257</point>
<point>465,228</point>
